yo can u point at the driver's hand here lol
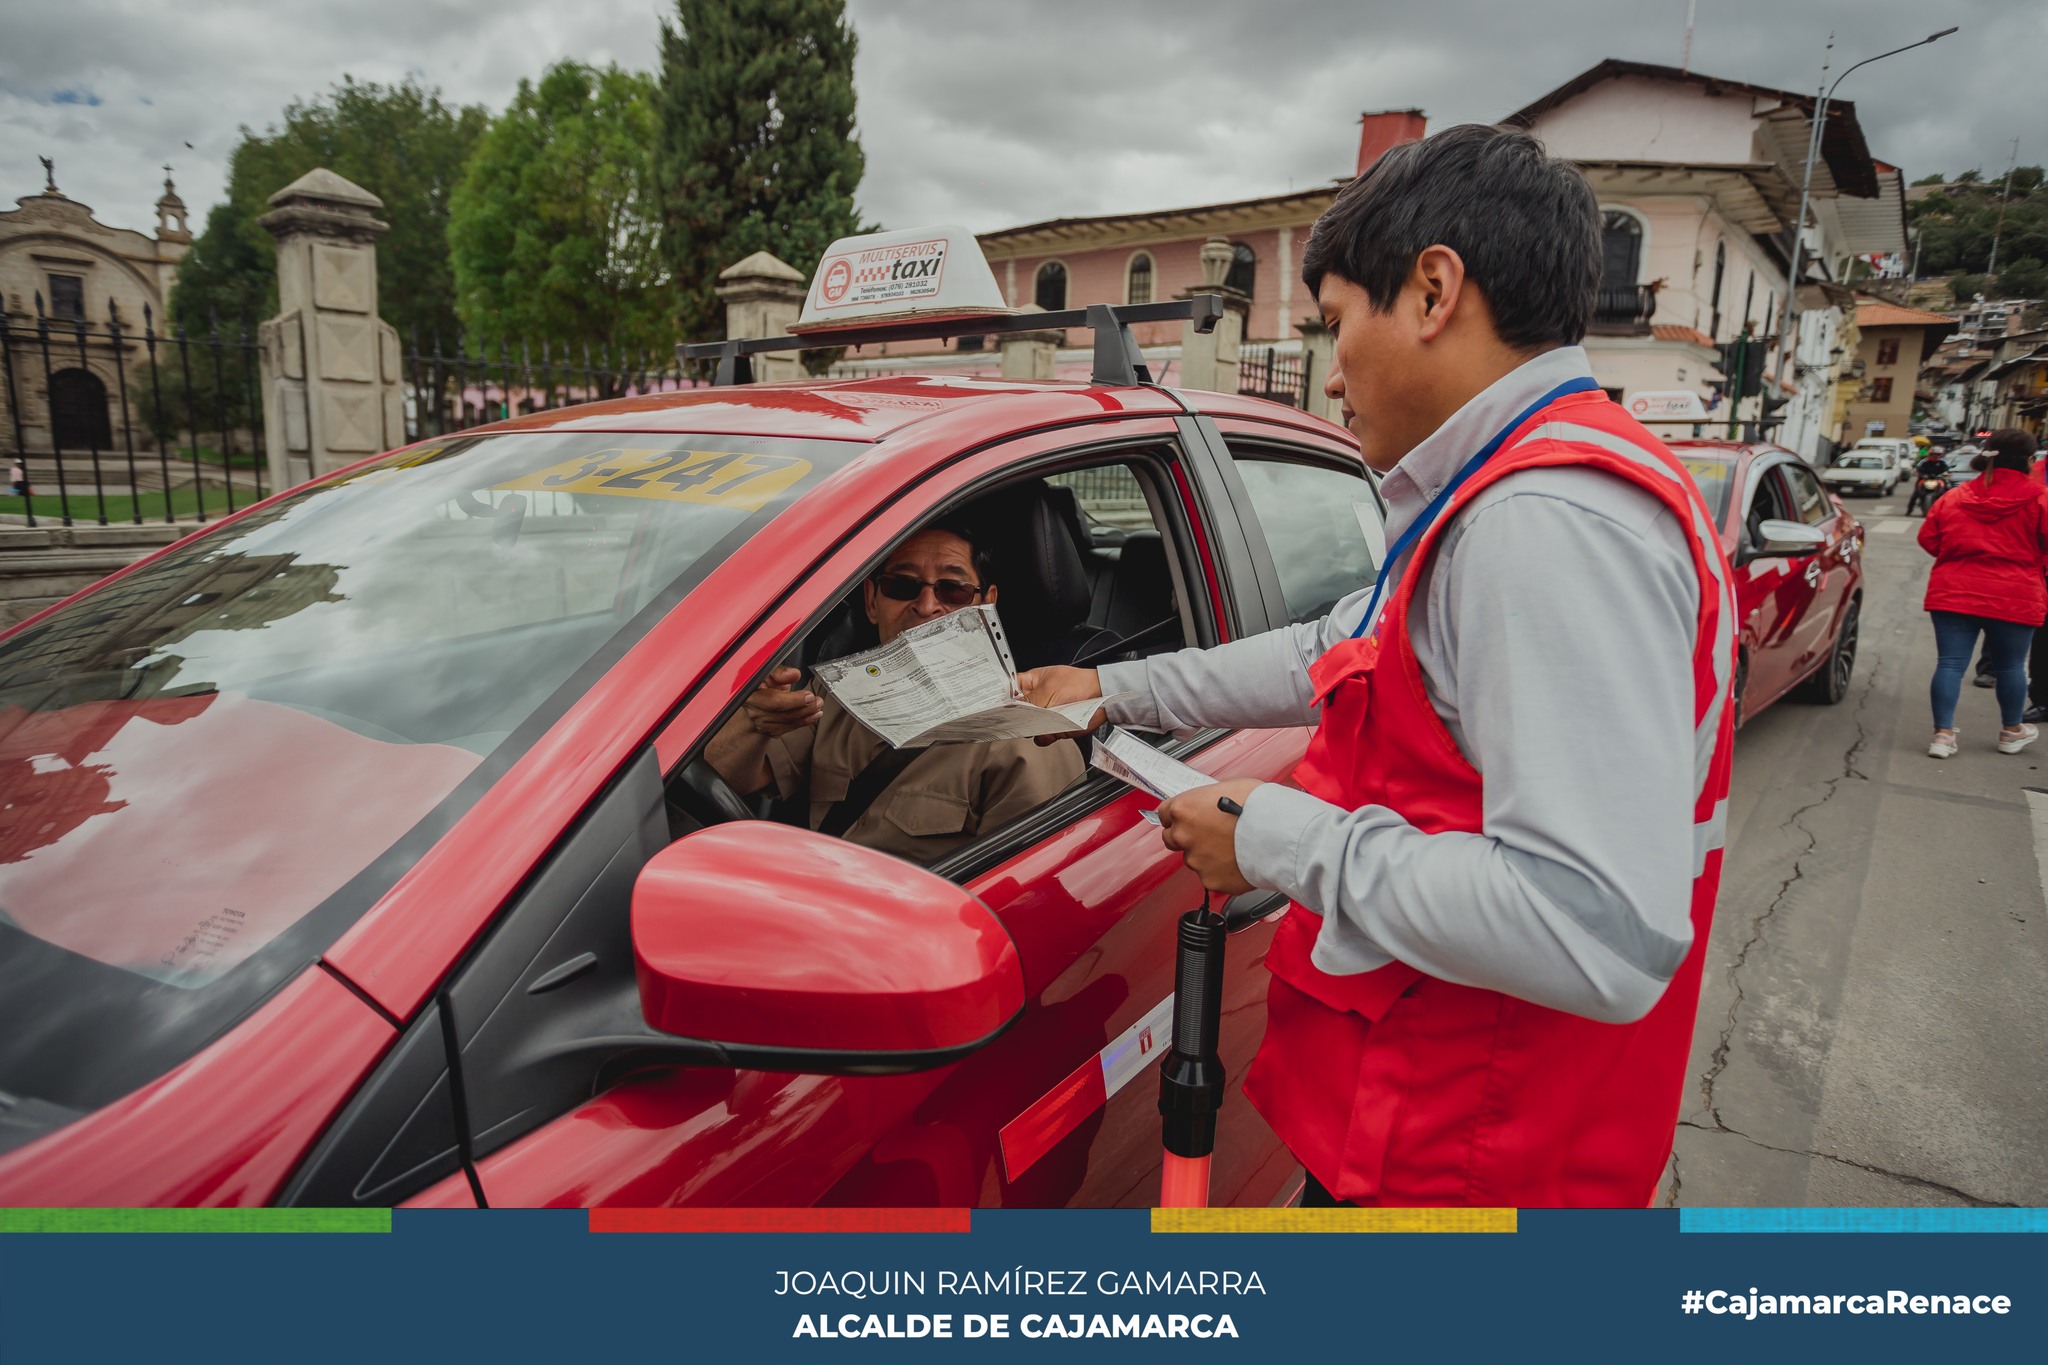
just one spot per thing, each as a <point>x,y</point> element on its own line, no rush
<point>1058,684</point>
<point>775,709</point>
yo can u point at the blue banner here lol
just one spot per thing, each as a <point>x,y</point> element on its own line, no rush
<point>1125,1286</point>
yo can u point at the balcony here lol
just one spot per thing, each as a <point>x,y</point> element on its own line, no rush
<point>1624,312</point>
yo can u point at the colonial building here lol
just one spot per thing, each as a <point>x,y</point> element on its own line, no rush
<point>1699,180</point>
<point>1153,256</point>
<point>1988,372</point>
<point>60,264</point>
<point>1890,343</point>
<point>1699,183</point>
<point>2018,381</point>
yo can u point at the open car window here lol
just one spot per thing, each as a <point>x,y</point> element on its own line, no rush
<point>1088,568</point>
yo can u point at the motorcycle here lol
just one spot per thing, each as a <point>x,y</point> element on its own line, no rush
<point>1926,488</point>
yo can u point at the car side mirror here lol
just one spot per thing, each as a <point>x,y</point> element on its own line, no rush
<point>788,950</point>
<point>1783,539</point>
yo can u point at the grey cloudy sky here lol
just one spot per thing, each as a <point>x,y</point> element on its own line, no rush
<point>996,114</point>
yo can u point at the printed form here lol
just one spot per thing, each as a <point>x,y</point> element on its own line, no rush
<point>1131,760</point>
<point>949,681</point>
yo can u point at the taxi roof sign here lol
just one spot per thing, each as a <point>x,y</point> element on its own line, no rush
<point>925,274</point>
<point>1666,405</point>
<point>933,284</point>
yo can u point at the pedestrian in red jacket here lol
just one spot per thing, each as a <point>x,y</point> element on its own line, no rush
<point>1989,540</point>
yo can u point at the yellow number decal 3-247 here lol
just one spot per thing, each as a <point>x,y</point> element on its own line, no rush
<point>742,480</point>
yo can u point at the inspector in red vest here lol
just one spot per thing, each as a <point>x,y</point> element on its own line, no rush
<point>1395,1088</point>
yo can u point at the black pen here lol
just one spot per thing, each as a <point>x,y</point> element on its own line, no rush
<point>1228,806</point>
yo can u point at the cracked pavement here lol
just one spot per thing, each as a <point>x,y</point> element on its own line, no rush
<point>1874,1017</point>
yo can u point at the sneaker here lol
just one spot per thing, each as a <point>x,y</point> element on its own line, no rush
<point>2034,715</point>
<point>1944,745</point>
<point>1984,679</point>
<point>2011,742</point>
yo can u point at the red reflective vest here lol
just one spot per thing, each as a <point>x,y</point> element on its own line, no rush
<point>1395,1088</point>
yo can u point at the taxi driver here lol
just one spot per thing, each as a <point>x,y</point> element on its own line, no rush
<point>930,801</point>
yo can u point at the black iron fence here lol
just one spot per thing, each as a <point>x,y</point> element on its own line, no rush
<point>107,423</point>
<point>457,387</point>
<point>1267,372</point>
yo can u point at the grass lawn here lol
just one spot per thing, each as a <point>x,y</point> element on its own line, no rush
<point>85,508</point>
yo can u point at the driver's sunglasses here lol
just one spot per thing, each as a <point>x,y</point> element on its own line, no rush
<point>951,592</point>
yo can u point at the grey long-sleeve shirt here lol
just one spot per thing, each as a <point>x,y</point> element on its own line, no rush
<point>1555,635</point>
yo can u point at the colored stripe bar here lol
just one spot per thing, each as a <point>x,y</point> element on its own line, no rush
<point>779,1220</point>
<point>1863,1220</point>
<point>1333,1220</point>
<point>195,1220</point>
<point>1087,1088</point>
<point>1060,1111</point>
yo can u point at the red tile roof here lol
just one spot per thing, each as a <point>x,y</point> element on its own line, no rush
<point>1873,313</point>
<point>1670,331</point>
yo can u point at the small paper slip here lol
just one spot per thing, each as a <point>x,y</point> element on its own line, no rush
<point>949,681</point>
<point>1129,759</point>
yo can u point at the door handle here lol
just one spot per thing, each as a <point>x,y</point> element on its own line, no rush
<point>1244,910</point>
<point>1813,574</point>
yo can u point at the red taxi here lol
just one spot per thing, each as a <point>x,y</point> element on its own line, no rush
<point>1798,560</point>
<point>359,850</point>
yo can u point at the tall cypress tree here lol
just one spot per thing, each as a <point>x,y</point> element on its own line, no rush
<point>755,149</point>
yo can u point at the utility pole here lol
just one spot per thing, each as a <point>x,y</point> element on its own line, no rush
<point>1685,58</point>
<point>1813,145</point>
<point>2003,195</point>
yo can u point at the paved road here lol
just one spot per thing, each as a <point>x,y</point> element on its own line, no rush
<point>1874,1024</point>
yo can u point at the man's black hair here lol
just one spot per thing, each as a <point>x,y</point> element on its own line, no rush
<point>959,524</point>
<point>1526,225</point>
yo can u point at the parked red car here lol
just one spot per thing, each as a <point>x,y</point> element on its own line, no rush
<point>1798,560</point>
<point>355,848</point>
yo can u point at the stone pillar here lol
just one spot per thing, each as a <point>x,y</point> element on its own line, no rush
<point>1209,361</point>
<point>1031,355</point>
<point>763,297</point>
<point>1318,354</point>
<point>331,366</point>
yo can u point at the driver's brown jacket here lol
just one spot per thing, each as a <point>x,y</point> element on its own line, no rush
<point>948,796</point>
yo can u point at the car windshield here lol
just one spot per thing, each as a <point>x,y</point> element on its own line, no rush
<point>218,762</point>
<point>1714,474</point>
<point>1863,462</point>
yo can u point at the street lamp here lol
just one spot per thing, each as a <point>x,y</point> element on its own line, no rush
<point>1813,140</point>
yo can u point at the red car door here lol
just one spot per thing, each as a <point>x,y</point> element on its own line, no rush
<point>1782,588</point>
<point>1084,887</point>
<point>1825,575</point>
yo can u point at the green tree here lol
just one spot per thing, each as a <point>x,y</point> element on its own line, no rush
<point>2027,279</point>
<point>755,147</point>
<point>1956,229</point>
<point>400,142</point>
<point>554,231</point>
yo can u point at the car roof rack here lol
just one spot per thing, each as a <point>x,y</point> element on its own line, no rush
<point>1117,358</point>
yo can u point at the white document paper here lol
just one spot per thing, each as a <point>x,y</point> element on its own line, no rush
<point>949,681</point>
<point>1131,760</point>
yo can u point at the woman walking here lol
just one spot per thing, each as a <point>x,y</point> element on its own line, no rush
<point>1989,540</point>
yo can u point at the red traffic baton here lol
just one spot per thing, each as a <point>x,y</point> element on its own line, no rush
<point>1191,1075</point>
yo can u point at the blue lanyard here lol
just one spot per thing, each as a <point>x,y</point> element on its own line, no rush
<point>1436,504</point>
